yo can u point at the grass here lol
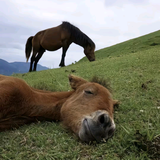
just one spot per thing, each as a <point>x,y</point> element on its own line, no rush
<point>133,69</point>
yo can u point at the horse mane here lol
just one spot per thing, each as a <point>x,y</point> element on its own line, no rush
<point>79,36</point>
<point>102,81</point>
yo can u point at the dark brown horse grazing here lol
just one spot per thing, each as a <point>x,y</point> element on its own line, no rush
<point>87,110</point>
<point>54,38</point>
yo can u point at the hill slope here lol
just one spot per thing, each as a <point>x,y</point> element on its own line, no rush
<point>134,76</point>
<point>131,46</point>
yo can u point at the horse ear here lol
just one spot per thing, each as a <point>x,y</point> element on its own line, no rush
<point>75,81</point>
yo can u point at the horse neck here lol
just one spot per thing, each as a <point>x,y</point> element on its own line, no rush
<point>81,41</point>
<point>48,104</point>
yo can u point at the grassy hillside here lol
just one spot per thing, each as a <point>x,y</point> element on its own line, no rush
<point>133,69</point>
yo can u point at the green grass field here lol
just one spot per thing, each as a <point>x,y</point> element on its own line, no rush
<point>133,69</point>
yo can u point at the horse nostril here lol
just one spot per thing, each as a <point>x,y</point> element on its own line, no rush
<point>104,120</point>
<point>101,119</point>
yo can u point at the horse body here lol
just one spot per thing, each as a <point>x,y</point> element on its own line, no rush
<point>54,38</point>
<point>21,104</point>
<point>87,110</point>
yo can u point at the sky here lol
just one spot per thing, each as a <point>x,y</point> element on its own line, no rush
<point>106,22</point>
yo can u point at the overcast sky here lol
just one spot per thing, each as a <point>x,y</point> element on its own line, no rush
<point>106,22</point>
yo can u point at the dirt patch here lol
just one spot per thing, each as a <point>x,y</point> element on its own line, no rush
<point>151,147</point>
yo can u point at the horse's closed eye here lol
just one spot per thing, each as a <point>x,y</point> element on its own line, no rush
<point>88,92</point>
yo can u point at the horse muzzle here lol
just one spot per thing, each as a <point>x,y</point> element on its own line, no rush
<point>91,60</point>
<point>99,127</point>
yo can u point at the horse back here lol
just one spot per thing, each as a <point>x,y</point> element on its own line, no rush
<point>52,38</point>
<point>57,33</point>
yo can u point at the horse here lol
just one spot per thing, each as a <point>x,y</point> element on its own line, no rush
<point>54,38</point>
<point>86,110</point>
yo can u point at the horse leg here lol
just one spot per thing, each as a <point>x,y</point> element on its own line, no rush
<point>40,53</point>
<point>64,50</point>
<point>32,59</point>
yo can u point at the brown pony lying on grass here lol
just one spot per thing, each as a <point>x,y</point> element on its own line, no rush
<point>87,110</point>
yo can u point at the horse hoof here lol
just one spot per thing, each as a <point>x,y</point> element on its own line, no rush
<point>62,65</point>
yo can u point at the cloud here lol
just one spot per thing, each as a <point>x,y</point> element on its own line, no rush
<point>120,3</point>
<point>105,22</point>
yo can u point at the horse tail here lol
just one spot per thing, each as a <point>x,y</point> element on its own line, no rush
<point>28,48</point>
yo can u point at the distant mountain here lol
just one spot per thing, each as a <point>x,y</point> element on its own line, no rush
<point>7,68</point>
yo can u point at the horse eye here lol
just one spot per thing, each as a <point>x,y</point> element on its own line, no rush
<point>88,92</point>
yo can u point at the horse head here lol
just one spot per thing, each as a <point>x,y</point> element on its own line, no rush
<point>88,112</point>
<point>89,52</point>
